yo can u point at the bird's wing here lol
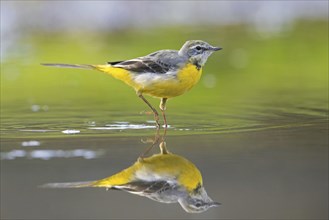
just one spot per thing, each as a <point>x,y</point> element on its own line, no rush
<point>142,65</point>
<point>160,62</point>
<point>145,187</point>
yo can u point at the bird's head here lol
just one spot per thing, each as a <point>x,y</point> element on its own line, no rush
<point>197,51</point>
<point>197,201</point>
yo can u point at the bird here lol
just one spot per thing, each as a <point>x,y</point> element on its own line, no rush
<point>162,74</point>
<point>163,177</point>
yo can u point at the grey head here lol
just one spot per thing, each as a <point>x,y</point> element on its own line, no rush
<point>197,51</point>
<point>197,202</point>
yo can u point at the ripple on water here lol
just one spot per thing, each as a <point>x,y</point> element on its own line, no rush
<point>47,154</point>
<point>123,126</point>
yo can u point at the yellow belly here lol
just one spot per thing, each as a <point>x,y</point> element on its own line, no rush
<point>165,87</point>
<point>157,85</point>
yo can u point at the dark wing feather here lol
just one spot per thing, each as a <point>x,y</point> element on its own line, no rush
<point>115,62</point>
<point>142,66</point>
<point>145,187</point>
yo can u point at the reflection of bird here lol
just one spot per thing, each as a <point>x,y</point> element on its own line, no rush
<point>163,74</point>
<point>163,177</point>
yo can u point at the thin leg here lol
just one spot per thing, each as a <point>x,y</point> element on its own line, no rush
<point>156,114</point>
<point>163,109</point>
<point>154,142</point>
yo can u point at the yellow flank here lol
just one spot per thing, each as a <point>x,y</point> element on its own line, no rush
<point>118,73</point>
<point>121,178</point>
<point>163,166</point>
<point>157,85</point>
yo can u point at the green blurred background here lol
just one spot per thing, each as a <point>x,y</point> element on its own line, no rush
<point>260,111</point>
<point>286,71</point>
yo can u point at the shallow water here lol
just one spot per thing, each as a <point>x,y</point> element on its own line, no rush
<point>265,168</point>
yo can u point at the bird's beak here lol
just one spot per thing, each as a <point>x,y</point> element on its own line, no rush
<point>215,48</point>
<point>214,204</point>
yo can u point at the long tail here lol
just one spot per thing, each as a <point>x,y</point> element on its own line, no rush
<point>69,185</point>
<point>107,68</point>
<point>81,66</point>
<point>116,72</point>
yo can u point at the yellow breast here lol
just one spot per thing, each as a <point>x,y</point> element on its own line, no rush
<point>174,167</point>
<point>189,76</point>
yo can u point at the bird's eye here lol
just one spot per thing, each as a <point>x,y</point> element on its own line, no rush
<point>197,205</point>
<point>198,48</point>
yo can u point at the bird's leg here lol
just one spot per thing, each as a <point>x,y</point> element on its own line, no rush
<point>154,142</point>
<point>156,114</point>
<point>163,109</point>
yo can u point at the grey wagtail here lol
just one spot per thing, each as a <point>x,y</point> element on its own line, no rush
<point>163,177</point>
<point>163,74</point>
